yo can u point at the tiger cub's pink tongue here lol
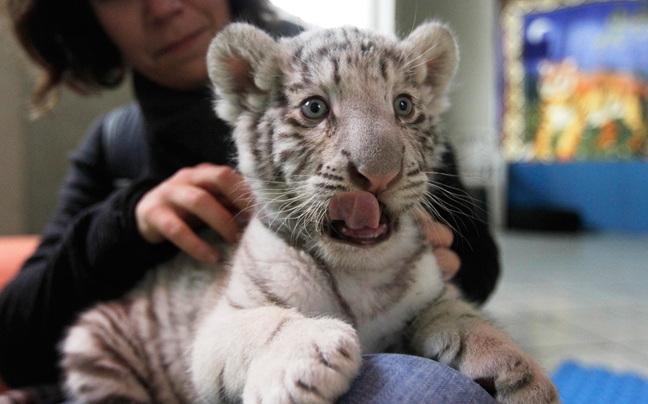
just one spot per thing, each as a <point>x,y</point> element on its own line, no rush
<point>358,209</point>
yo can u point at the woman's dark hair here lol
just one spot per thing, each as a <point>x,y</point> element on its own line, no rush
<point>66,40</point>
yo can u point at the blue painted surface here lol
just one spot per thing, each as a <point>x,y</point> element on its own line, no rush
<point>595,385</point>
<point>607,196</point>
<point>604,35</point>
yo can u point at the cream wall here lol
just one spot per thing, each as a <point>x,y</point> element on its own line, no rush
<point>471,122</point>
<point>12,145</point>
<point>473,95</point>
<point>33,154</point>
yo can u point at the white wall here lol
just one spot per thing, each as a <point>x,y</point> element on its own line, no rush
<point>374,14</point>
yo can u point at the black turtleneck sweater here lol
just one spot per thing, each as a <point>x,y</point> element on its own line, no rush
<point>91,250</point>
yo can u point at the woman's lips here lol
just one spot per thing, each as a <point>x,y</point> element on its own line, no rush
<point>179,45</point>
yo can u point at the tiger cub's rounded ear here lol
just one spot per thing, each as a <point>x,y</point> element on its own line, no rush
<point>241,65</point>
<point>432,55</point>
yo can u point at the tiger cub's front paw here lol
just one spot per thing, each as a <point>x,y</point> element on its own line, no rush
<point>308,361</point>
<point>495,360</point>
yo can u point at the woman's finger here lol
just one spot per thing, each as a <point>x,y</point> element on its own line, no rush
<point>448,261</point>
<point>437,234</point>
<point>174,229</point>
<point>225,182</point>
<point>203,205</point>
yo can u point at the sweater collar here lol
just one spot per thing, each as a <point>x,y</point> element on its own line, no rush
<point>181,127</point>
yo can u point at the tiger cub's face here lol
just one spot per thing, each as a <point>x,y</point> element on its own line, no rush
<point>335,129</point>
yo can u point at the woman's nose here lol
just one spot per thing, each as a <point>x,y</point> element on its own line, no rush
<point>160,10</point>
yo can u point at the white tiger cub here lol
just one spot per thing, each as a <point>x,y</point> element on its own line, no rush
<point>336,132</point>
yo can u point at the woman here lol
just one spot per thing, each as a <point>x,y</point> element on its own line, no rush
<point>148,175</point>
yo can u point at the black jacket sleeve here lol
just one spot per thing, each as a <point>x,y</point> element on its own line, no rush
<point>473,242</point>
<point>90,251</point>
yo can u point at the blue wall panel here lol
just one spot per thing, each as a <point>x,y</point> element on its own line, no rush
<point>607,196</point>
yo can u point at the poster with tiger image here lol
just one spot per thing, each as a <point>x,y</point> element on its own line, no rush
<point>574,80</point>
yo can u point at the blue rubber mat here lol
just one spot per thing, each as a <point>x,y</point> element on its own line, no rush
<point>579,384</point>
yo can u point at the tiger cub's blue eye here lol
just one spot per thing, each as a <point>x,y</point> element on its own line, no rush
<point>403,105</point>
<point>314,108</point>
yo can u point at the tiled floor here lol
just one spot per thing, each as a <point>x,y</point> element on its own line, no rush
<point>582,297</point>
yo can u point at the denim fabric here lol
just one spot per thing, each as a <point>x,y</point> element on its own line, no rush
<point>398,379</point>
<point>404,379</point>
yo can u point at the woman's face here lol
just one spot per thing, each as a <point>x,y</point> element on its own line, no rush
<point>165,40</point>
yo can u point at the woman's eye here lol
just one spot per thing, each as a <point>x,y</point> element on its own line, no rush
<point>403,105</point>
<point>314,108</point>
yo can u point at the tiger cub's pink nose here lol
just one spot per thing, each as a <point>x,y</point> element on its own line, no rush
<point>377,183</point>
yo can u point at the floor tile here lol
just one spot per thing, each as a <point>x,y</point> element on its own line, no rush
<point>590,355</point>
<point>530,333</point>
<point>640,346</point>
<point>613,324</point>
<point>582,297</point>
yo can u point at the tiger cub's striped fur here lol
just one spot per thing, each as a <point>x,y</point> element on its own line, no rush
<point>336,132</point>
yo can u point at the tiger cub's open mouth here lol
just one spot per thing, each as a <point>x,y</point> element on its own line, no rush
<point>358,218</point>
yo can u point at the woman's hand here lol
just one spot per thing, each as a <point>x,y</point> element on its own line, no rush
<point>194,197</point>
<point>18,397</point>
<point>441,238</point>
